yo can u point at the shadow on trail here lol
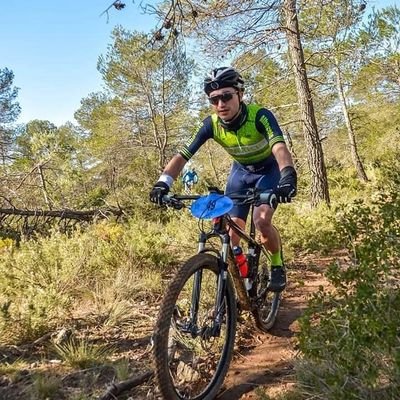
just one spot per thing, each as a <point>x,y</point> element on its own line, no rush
<point>262,378</point>
<point>289,311</point>
<point>274,366</point>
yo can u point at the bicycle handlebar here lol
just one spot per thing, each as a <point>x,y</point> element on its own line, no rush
<point>253,197</point>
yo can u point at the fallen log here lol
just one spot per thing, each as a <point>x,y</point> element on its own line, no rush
<point>64,214</point>
<point>116,389</point>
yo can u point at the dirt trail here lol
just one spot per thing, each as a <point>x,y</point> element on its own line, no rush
<point>270,363</point>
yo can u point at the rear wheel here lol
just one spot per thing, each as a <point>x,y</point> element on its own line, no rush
<point>268,302</point>
<point>192,355</point>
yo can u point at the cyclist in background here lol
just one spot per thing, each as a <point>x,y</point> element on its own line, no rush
<point>189,179</point>
<point>252,136</point>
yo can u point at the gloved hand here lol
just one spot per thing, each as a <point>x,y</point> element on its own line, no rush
<point>287,186</point>
<point>160,189</point>
<point>267,197</point>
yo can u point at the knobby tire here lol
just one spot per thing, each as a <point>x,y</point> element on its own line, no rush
<point>168,389</point>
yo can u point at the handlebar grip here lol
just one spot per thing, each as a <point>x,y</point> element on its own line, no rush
<point>269,198</point>
<point>170,201</point>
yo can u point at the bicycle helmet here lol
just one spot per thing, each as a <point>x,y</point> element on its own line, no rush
<point>223,77</point>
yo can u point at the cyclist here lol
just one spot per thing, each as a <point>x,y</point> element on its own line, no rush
<point>252,136</point>
<point>189,179</point>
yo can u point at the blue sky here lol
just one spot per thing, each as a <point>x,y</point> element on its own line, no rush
<point>53,46</point>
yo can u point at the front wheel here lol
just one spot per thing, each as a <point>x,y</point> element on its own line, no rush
<point>193,342</point>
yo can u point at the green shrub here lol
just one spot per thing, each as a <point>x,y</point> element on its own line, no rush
<point>82,354</point>
<point>306,230</point>
<point>45,387</point>
<point>349,335</point>
<point>105,269</point>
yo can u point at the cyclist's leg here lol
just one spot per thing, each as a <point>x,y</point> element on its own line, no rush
<point>237,185</point>
<point>235,239</point>
<point>269,235</point>
<point>263,214</point>
<point>263,222</point>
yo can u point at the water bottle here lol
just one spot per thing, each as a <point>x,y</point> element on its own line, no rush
<point>241,261</point>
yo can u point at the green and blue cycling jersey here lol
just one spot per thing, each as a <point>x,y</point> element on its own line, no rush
<point>250,145</point>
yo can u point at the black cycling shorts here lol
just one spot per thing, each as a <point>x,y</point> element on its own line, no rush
<point>242,178</point>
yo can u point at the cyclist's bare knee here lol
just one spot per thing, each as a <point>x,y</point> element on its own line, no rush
<point>263,222</point>
<point>263,217</point>
<point>235,239</point>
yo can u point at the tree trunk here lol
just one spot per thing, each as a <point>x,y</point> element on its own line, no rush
<point>212,164</point>
<point>43,186</point>
<point>157,136</point>
<point>352,139</point>
<point>289,143</point>
<point>319,181</point>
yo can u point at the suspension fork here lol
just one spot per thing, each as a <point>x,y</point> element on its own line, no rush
<point>194,304</point>
<point>222,278</point>
<point>198,277</point>
<point>221,287</point>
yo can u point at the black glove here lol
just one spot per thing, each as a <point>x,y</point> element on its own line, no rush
<point>160,189</point>
<point>287,186</point>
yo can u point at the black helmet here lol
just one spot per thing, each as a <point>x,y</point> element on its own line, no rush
<point>223,77</point>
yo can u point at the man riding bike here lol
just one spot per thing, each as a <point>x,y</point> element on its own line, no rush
<point>252,136</point>
<point>189,178</point>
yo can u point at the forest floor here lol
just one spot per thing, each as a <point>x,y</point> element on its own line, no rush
<point>263,362</point>
<point>267,367</point>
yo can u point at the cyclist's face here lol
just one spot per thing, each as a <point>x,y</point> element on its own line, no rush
<point>226,102</point>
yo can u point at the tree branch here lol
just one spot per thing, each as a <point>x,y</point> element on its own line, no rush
<point>116,389</point>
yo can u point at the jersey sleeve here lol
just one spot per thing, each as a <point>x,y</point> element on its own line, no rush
<point>267,124</point>
<point>197,140</point>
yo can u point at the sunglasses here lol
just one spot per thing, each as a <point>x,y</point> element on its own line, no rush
<point>224,97</point>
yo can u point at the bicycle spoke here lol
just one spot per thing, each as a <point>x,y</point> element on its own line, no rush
<point>198,346</point>
<point>193,348</point>
<point>267,302</point>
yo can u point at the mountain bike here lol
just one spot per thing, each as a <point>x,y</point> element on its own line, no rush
<point>195,331</point>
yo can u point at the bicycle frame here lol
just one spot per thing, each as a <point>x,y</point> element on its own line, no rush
<point>227,263</point>
<point>220,229</point>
